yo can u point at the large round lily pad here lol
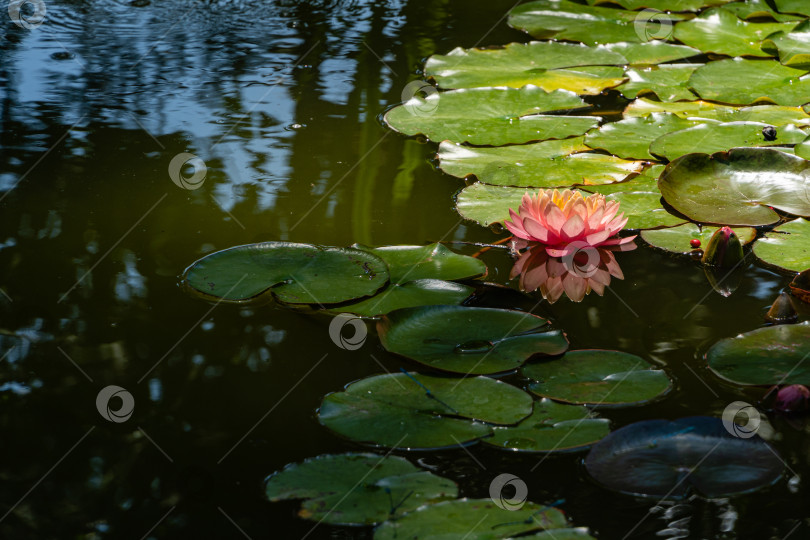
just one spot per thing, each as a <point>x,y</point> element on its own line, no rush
<point>598,377</point>
<point>787,246</point>
<point>469,340</point>
<point>545,164</point>
<point>491,115</point>
<point>765,80</point>
<point>712,137</point>
<point>672,459</point>
<point>357,489</point>
<point>562,19</point>
<point>414,411</point>
<point>775,115</point>
<point>552,427</point>
<point>668,81</point>
<point>471,519</point>
<point>737,187</point>
<point>295,273</point>
<point>720,31</point>
<point>766,356</point>
<point>678,239</point>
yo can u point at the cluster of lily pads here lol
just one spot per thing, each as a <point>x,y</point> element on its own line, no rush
<point>734,75</point>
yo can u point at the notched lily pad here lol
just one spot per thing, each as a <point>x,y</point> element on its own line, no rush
<point>679,239</point>
<point>766,356</point>
<point>472,519</point>
<point>631,137</point>
<point>737,187</point>
<point>672,459</point>
<point>294,273</point>
<point>765,80</point>
<point>552,427</point>
<point>414,411</point>
<point>469,340</point>
<point>357,489</point>
<point>598,377</point>
<point>787,246</point>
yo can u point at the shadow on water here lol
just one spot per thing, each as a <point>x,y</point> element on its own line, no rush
<point>281,101</point>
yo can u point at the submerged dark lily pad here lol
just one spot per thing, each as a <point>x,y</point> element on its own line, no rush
<point>552,427</point>
<point>766,356</point>
<point>415,411</point>
<point>671,459</point>
<point>469,340</point>
<point>737,187</point>
<point>357,489</point>
<point>471,519</point>
<point>598,377</point>
<point>295,273</point>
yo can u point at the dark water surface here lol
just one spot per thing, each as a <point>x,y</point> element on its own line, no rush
<point>281,101</point>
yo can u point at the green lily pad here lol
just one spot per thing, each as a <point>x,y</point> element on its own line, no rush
<point>548,65</point>
<point>490,116</point>
<point>765,80</point>
<point>652,52</point>
<point>712,137</point>
<point>471,519</point>
<point>673,459</point>
<point>562,19</point>
<point>630,138</point>
<point>486,204</point>
<point>787,246</point>
<point>544,164</point>
<point>757,9</point>
<point>646,182</point>
<point>357,489</point>
<point>469,340</point>
<point>670,82</point>
<point>793,48</point>
<point>419,292</point>
<point>737,187</point>
<point>295,273</point>
<point>578,533</point>
<point>677,239</point>
<point>775,115</point>
<point>434,261</point>
<point>803,149</point>
<point>720,31</point>
<point>766,356</point>
<point>597,377</point>
<point>662,5</point>
<point>414,411</point>
<point>552,427</point>
<point>793,6</point>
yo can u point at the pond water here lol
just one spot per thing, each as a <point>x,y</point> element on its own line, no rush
<point>281,100</point>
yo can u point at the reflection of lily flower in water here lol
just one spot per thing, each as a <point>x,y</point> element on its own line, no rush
<point>583,269</point>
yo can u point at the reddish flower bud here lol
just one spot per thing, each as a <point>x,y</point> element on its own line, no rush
<point>792,398</point>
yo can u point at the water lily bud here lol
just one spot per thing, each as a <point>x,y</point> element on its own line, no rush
<point>793,398</point>
<point>724,249</point>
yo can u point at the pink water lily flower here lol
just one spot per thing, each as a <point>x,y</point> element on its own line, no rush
<point>560,218</point>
